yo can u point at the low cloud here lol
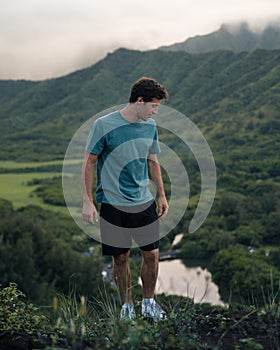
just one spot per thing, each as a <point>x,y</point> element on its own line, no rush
<point>48,38</point>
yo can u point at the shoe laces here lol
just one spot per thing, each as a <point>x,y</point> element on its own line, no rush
<point>127,311</point>
<point>153,309</point>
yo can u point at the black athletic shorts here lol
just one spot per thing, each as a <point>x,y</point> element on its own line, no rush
<point>120,225</point>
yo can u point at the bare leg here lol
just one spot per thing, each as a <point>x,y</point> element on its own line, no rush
<point>149,272</point>
<point>122,276</point>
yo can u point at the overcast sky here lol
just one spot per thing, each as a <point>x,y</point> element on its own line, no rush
<point>40,39</point>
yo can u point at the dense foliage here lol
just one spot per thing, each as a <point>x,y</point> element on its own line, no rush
<point>42,253</point>
<point>77,323</point>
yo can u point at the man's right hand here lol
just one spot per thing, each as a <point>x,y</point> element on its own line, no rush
<point>89,212</point>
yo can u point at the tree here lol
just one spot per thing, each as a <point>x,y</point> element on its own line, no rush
<point>34,255</point>
<point>246,275</point>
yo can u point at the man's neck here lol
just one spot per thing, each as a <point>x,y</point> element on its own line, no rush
<point>129,113</point>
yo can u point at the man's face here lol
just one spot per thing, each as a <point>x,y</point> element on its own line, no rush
<point>147,109</point>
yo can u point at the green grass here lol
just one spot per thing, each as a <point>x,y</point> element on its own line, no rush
<point>13,165</point>
<point>75,322</point>
<point>9,164</point>
<point>14,188</point>
<point>13,185</point>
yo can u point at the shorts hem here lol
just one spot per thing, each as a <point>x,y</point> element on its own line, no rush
<point>108,250</point>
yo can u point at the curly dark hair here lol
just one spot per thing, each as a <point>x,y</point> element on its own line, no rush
<point>147,88</point>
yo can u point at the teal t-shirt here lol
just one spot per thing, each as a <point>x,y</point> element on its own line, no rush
<point>123,149</point>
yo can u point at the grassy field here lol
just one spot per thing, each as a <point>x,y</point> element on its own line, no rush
<point>8,164</point>
<point>14,186</point>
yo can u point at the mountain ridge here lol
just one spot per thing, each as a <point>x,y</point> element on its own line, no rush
<point>39,119</point>
<point>237,38</point>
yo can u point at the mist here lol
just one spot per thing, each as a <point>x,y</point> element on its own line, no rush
<point>45,39</point>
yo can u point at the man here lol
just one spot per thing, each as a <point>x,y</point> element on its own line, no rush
<point>124,145</point>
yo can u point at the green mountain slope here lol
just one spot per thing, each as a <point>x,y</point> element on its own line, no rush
<point>9,89</point>
<point>238,38</point>
<point>236,94</point>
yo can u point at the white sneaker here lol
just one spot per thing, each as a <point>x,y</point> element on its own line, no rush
<point>127,311</point>
<point>151,309</point>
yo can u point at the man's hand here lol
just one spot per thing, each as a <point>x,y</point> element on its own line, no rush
<point>162,207</point>
<point>89,212</point>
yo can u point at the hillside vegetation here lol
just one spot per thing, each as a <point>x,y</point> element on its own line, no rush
<point>218,89</point>
<point>234,98</point>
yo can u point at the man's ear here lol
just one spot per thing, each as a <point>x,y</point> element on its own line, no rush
<point>140,99</point>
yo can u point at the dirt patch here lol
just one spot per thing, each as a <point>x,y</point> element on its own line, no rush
<point>239,330</point>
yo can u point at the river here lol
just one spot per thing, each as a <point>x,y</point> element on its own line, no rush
<point>196,283</point>
<point>193,282</point>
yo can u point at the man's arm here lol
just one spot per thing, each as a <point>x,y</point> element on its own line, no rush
<point>89,211</point>
<point>155,176</point>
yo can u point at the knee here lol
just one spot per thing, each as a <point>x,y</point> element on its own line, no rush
<point>150,257</point>
<point>121,259</point>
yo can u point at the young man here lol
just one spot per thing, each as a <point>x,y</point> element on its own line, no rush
<point>124,145</point>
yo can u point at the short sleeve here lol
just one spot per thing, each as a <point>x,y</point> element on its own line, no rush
<point>96,138</point>
<point>155,148</point>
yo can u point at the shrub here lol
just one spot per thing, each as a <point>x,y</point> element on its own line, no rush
<point>15,314</point>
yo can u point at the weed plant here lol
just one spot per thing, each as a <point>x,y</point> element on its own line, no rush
<point>79,323</point>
